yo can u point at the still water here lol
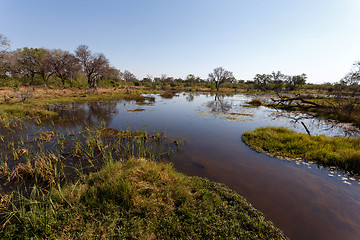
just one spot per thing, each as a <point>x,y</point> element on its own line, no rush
<point>304,200</point>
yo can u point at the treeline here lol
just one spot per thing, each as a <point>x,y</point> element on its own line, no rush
<point>36,66</point>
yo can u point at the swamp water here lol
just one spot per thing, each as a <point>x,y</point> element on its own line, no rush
<point>302,199</point>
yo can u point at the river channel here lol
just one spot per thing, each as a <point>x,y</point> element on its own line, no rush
<point>304,200</point>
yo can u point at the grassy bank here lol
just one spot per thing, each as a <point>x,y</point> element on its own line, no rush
<point>141,199</point>
<point>30,102</point>
<point>341,152</point>
<point>104,183</point>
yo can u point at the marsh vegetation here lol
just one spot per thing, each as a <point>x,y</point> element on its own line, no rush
<point>340,152</point>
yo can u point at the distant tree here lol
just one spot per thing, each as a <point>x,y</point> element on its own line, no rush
<point>296,81</point>
<point>5,56</point>
<point>129,76</point>
<point>43,65</point>
<point>111,73</point>
<point>353,77</point>
<point>64,64</point>
<point>28,59</point>
<point>190,78</point>
<point>278,79</point>
<point>148,78</point>
<point>4,43</point>
<point>93,65</point>
<point>262,80</point>
<point>219,76</point>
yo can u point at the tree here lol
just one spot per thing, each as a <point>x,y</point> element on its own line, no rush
<point>43,65</point>
<point>219,76</point>
<point>4,43</point>
<point>129,76</point>
<point>64,64</point>
<point>190,78</point>
<point>353,77</point>
<point>93,65</point>
<point>111,73</point>
<point>296,81</point>
<point>28,59</point>
<point>278,79</point>
<point>261,80</point>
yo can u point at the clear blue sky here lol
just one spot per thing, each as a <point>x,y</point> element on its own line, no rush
<point>176,37</point>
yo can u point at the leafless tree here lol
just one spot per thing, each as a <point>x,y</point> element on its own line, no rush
<point>4,43</point>
<point>219,76</point>
<point>93,65</point>
<point>353,77</point>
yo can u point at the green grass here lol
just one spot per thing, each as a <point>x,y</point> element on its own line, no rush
<point>141,199</point>
<point>104,183</point>
<point>341,152</point>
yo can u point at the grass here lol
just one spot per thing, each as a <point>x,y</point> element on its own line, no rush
<point>35,106</point>
<point>255,102</point>
<point>114,184</point>
<point>141,199</point>
<point>341,152</point>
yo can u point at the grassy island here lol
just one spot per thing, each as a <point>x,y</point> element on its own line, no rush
<point>341,152</point>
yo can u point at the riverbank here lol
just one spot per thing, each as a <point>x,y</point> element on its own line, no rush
<point>144,200</point>
<point>341,152</point>
<point>112,184</point>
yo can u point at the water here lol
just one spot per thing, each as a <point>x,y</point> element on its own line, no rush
<point>304,200</point>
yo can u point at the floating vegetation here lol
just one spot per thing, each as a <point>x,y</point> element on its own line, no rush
<point>136,110</point>
<point>168,94</point>
<point>46,136</point>
<point>255,102</point>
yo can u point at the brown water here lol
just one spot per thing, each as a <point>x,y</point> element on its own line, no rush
<point>303,200</point>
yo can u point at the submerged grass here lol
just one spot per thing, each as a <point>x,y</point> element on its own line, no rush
<point>341,152</point>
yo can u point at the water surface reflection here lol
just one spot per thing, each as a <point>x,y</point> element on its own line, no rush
<point>302,199</point>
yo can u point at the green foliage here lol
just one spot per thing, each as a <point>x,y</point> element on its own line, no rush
<point>341,152</point>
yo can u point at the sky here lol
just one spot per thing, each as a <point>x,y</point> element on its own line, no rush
<point>179,37</point>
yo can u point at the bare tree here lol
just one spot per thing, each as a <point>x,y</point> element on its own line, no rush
<point>353,77</point>
<point>219,76</point>
<point>4,43</point>
<point>93,65</point>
